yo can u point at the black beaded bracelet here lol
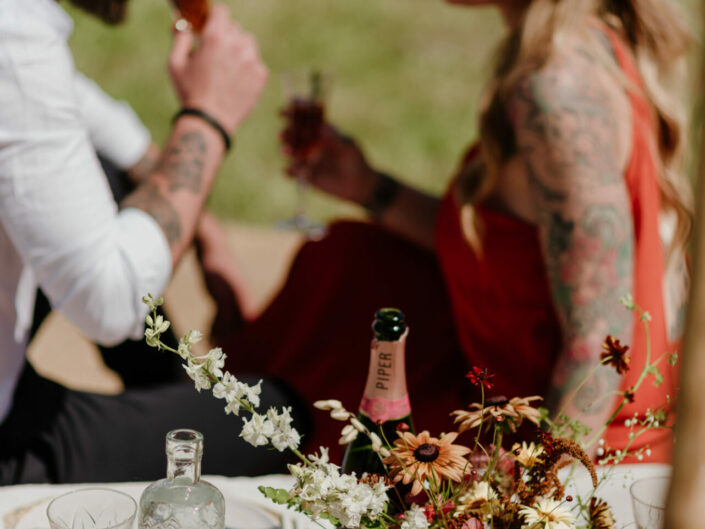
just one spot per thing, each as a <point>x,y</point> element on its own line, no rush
<point>385,191</point>
<point>188,111</point>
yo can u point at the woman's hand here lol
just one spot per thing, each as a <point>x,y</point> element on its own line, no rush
<point>335,165</point>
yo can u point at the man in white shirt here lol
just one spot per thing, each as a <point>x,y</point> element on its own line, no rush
<point>62,231</point>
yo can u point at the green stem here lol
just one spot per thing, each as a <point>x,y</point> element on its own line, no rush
<point>643,374</point>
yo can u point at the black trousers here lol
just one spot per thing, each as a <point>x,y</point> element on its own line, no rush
<point>57,435</point>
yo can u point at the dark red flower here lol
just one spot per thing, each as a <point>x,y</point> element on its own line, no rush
<point>629,394</point>
<point>478,375</point>
<point>615,354</point>
<point>547,441</point>
<point>429,512</point>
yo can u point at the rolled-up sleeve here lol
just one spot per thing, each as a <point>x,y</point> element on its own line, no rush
<point>113,127</point>
<point>93,262</point>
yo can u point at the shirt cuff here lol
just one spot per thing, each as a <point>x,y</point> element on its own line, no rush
<point>150,256</point>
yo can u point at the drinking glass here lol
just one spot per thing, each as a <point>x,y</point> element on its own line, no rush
<point>92,508</point>
<point>649,501</point>
<point>305,118</point>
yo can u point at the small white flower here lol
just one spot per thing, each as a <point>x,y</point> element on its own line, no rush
<point>160,324</point>
<point>330,404</point>
<point>193,336</point>
<point>357,424</point>
<point>376,442</point>
<point>340,414</point>
<point>215,360</point>
<point>348,434</point>
<point>548,514</point>
<point>415,518</point>
<point>257,430</point>
<point>198,375</point>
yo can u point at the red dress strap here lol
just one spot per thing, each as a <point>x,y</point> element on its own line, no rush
<point>642,179</point>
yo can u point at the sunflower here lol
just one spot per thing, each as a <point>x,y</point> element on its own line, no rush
<point>548,514</point>
<point>615,354</point>
<point>513,411</point>
<point>528,455</point>
<point>416,458</point>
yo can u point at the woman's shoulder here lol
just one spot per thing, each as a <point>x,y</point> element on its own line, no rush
<point>577,88</point>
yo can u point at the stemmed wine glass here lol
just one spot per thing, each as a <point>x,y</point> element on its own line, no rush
<point>304,117</point>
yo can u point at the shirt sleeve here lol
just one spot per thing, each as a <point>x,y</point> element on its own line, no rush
<point>113,127</point>
<point>93,262</point>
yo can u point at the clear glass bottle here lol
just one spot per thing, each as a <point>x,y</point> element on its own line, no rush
<point>182,500</point>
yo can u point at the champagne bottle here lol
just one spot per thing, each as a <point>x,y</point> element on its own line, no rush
<point>194,11</point>
<point>385,402</point>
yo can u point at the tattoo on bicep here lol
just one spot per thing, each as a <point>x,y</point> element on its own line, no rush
<point>149,199</point>
<point>182,162</point>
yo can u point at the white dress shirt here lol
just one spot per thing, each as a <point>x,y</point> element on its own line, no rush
<point>59,225</point>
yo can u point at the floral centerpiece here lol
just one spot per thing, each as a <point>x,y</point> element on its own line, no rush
<point>436,482</point>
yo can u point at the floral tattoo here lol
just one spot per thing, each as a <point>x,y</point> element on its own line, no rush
<point>567,132</point>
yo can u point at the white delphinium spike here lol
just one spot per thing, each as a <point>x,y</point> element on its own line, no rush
<point>198,374</point>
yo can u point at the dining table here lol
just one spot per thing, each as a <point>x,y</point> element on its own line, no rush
<point>24,506</point>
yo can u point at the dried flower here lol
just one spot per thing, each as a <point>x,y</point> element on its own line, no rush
<point>528,455</point>
<point>600,514</point>
<point>479,500</point>
<point>480,376</point>
<point>499,408</point>
<point>416,458</point>
<point>548,514</point>
<point>615,354</point>
<point>629,394</point>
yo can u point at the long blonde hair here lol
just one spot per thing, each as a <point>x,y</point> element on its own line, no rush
<point>658,38</point>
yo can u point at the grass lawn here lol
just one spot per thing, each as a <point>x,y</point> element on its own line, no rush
<point>405,78</point>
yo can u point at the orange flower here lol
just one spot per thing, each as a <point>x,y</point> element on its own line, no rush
<point>514,411</point>
<point>615,354</point>
<point>416,458</point>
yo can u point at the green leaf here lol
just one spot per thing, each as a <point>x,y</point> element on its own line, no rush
<point>658,377</point>
<point>280,496</point>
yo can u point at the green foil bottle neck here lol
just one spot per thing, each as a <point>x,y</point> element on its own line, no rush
<point>389,324</point>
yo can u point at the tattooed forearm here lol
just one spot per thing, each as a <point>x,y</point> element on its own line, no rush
<point>145,166</point>
<point>567,125</point>
<point>149,198</point>
<point>183,161</point>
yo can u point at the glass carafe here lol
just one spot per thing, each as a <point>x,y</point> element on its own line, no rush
<point>182,500</point>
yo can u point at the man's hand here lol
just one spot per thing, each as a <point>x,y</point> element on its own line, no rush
<point>222,74</point>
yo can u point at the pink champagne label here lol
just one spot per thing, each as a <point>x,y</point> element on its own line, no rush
<point>381,410</point>
<point>386,396</point>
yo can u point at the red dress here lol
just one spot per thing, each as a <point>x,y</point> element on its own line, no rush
<point>462,311</point>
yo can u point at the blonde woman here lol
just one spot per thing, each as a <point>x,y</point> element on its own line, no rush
<point>553,216</point>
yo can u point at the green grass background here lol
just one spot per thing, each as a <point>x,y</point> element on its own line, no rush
<point>405,77</point>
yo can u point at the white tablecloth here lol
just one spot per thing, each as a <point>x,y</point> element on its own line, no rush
<point>24,506</point>
<point>246,508</point>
